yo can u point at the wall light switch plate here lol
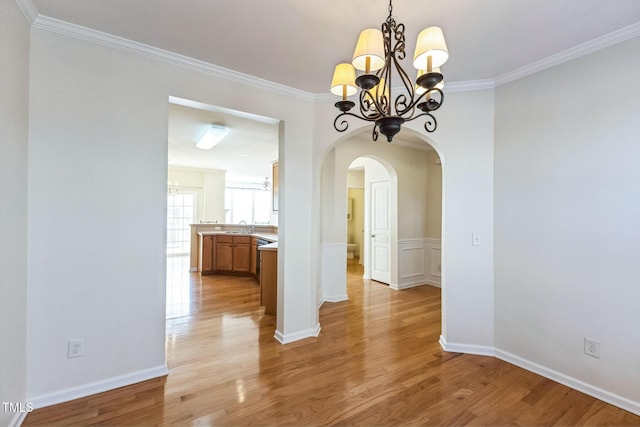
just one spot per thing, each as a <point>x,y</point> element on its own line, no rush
<point>476,240</point>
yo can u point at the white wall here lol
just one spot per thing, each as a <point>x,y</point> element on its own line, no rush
<point>214,184</point>
<point>466,152</point>
<point>96,244</point>
<point>434,196</point>
<point>567,207</point>
<point>14,104</point>
<point>408,164</point>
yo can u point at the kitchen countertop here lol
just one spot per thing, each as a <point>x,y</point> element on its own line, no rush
<point>270,247</point>
<point>273,238</point>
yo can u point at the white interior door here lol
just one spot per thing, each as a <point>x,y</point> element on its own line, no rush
<point>380,232</point>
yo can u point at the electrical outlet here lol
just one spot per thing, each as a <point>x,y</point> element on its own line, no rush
<point>75,348</point>
<point>591,347</point>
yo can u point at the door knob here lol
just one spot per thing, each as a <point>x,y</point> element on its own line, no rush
<point>373,235</point>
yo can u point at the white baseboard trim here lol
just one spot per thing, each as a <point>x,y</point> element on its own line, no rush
<point>97,387</point>
<point>576,384</point>
<point>415,285</point>
<point>296,336</point>
<point>18,419</point>
<point>480,350</point>
<point>335,298</point>
<point>193,269</point>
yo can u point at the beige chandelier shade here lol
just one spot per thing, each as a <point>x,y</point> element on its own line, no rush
<point>369,53</point>
<point>344,80</point>
<point>430,44</point>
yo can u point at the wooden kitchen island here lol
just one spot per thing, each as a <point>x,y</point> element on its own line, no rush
<point>245,254</point>
<point>224,252</point>
<point>269,277</point>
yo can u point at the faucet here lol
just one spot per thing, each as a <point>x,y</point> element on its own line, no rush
<point>243,222</point>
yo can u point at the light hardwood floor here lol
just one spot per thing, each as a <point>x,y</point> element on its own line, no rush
<point>377,362</point>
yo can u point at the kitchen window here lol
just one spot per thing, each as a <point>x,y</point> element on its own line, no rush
<point>247,204</point>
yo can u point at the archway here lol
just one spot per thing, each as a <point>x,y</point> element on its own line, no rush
<point>413,251</point>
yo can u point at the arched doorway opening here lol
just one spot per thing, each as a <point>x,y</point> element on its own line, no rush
<point>413,169</point>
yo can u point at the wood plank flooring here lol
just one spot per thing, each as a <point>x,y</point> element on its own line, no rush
<point>377,362</point>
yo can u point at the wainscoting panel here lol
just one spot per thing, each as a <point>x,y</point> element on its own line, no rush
<point>436,266</point>
<point>418,262</point>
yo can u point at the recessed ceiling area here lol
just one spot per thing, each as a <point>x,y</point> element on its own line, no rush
<point>246,153</point>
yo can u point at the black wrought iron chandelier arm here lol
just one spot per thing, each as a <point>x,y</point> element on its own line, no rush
<point>343,125</point>
<point>433,103</point>
<point>430,123</point>
<point>370,106</point>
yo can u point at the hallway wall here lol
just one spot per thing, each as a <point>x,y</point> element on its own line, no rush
<point>14,138</point>
<point>566,214</point>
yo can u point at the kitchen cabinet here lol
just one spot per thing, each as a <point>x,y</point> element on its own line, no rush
<point>224,253</point>
<point>269,280</point>
<point>229,253</point>
<point>242,254</point>
<point>233,253</point>
<point>206,259</point>
<point>254,256</point>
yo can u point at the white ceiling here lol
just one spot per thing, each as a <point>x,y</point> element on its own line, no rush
<point>296,43</point>
<point>246,152</point>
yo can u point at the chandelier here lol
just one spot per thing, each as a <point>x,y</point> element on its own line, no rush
<point>381,51</point>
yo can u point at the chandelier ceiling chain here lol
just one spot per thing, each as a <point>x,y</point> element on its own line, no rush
<point>381,51</point>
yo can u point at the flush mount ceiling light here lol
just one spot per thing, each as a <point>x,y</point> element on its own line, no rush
<point>381,52</point>
<point>212,136</point>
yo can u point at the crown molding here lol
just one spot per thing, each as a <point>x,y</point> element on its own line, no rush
<point>469,85</point>
<point>72,30</point>
<point>88,34</point>
<point>583,49</point>
<point>28,10</point>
